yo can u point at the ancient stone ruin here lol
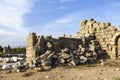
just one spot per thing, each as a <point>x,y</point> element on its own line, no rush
<point>94,41</point>
<point>107,35</point>
<point>7,50</point>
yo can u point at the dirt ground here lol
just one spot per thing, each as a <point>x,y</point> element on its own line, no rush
<point>84,72</point>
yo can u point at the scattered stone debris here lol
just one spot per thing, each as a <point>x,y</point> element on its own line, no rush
<point>7,71</point>
<point>118,69</point>
<point>47,77</point>
<point>103,62</point>
<point>37,69</point>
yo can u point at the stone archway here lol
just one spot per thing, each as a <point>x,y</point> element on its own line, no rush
<point>116,43</point>
<point>118,48</point>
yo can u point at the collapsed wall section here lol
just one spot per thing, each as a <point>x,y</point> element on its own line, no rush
<point>37,45</point>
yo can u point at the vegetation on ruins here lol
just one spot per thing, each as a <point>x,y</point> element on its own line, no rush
<point>18,50</point>
<point>15,50</point>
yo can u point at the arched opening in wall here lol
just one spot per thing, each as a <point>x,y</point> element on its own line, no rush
<point>117,43</point>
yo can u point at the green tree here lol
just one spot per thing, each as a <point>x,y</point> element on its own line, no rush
<point>1,48</point>
<point>18,50</point>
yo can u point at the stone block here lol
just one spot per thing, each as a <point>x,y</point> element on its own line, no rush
<point>83,22</point>
<point>46,68</point>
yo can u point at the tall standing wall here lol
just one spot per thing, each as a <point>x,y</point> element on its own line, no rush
<point>105,34</point>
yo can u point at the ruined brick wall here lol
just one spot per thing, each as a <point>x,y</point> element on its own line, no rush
<point>37,45</point>
<point>106,35</point>
<point>31,41</point>
<point>34,46</point>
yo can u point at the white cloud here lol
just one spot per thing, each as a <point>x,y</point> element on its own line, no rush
<point>11,18</point>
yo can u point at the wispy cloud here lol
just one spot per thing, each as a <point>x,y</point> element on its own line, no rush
<point>11,17</point>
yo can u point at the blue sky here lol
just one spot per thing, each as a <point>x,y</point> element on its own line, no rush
<point>51,17</point>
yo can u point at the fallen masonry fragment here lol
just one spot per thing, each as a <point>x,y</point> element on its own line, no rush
<point>95,40</point>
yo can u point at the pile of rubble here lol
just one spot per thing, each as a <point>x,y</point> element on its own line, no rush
<point>13,67</point>
<point>12,63</point>
<point>88,52</point>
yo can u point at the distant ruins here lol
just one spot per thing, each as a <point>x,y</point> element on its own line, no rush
<point>7,50</point>
<point>93,40</point>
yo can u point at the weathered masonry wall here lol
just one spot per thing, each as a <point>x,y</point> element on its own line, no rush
<point>37,45</point>
<point>107,35</point>
<point>32,46</point>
